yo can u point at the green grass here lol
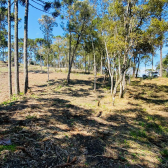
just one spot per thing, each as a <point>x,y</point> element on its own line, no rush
<point>7,147</point>
<point>137,134</point>
<point>164,153</point>
<point>31,117</point>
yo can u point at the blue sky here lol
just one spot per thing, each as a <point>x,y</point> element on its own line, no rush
<point>35,32</point>
<point>33,26</point>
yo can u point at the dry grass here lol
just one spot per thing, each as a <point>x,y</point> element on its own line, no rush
<point>83,123</point>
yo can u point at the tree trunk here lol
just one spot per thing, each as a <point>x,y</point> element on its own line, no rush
<point>101,65</point>
<point>69,68</point>
<point>72,60</point>
<point>94,66</point>
<point>152,60</point>
<point>16,50</point>
<point>85,62</point>
<point>48,65</point>
<point>88,64</point>
<point>119,70</point>
<point>9,49</point>
<point>115,87</point>
<point>137,68</point>
<point>134,68</point>
<point>25,47</point>
<point>40,64</point>
<point>161,60</point>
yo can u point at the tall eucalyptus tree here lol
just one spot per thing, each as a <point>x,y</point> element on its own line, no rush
<point>17,90</point>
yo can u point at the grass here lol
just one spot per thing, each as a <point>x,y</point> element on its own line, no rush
<point>31,117</point>
<point>138,133</point>
<point>137,126</point>
<point>7,147</point>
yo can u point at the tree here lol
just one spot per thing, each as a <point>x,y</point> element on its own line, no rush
<point>47,23</point>
<point>159,26</point>
<point>25,46</point>
<point>40,42</point>
<point>9,49</point>
<point>79,17</point>
<point>17,90</point>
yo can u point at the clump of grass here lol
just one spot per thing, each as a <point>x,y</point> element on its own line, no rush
<point>58,87</point>
<point>142,124</point>
<point>7,147</point>
<point>31,117</point>
<point>164,153</point>
<point>140,133</point>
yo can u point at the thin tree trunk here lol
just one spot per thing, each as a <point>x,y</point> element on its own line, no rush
<point>94,66</point>
<point>72,59</point>
<point>152,60</point>
<point>16,50</point>
<point>9,49</point>
<point>119,70</point>
<point>88,64</point>
<point>101,65</point>
<point>134,67</point>
<point>137,68</point>
<point>48,65</point>
<point>40,63</point>
<point>161,60</point>
<point>25,47</point>
<point>115,88</point>
<point>85,61</point>
<point>69,68</point>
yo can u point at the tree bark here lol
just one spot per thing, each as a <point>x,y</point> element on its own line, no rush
<point>72,60</point>
<point>152,60</point>
<point>16,50</point>
<point>40,64</point>
<point>161,60</point>
<point>101,65</point>
<point>25,47</point>
<point>9,49</point>
<point>94,66</point>
<point>48,65</point>
<point>69,68</point>
<point>88,64</point>
<point>137,70</point>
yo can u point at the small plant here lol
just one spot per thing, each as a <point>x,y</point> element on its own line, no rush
<point>141,123</point>
<point>21,93</point>
<point>5,102</point>
<point>7,147</point>
<point>134,155</point>
<point>31,117</point>
<point>150,118</point>
<point>137,134</point>
<point>164,153</point>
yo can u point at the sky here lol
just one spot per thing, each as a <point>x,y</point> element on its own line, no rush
<point>35,32</point>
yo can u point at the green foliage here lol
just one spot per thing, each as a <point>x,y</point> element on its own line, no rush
<point>7,147</point>
<point>140,133</point>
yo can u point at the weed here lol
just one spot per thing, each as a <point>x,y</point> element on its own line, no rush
<point>160,160</point>
<point>14,98</point>
<point>137,134</point>
<point>31,117</point>
<point>164,153</point>
<point>126,143</point>
<point>7,147</point>
<point>21,93</point>
<point>150,118</point>
<point>142,124</point>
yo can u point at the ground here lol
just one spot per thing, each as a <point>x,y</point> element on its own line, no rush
<point>59,125</point>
